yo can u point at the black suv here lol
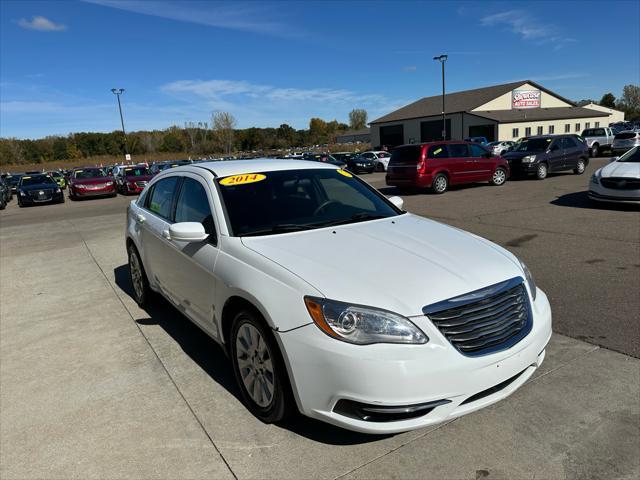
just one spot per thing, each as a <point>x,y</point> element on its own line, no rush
<point>542,154</point>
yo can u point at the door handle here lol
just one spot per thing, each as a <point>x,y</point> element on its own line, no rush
<point>165,234</point>
<point>140,218</point>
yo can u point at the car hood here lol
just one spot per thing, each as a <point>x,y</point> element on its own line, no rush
<point>519,155</point>
<point>39,186</point>
<point>139,178</point>
<point>621,169</point>
<point>91,181</point>
<point>401,263</point>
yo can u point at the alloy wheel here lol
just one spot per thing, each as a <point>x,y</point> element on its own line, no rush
<point>255,364</point>
<point>440,184</point>
<point>136,275</point>
<point>499,177</point>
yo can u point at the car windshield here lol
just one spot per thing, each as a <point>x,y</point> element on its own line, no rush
<point>632,156</point>
<point>88,173</point>
<point>285,201</point>
<point>533,145</point>
<point>55,174</point>
<point>36,180</point>
<point>136,172</point>
<point>493,144</point>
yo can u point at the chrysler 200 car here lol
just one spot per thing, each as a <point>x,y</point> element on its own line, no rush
<point>280,262</point>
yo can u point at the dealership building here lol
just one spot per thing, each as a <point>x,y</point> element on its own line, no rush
<point>501,112</point>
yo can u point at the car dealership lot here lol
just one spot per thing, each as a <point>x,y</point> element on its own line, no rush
<point>92,386</point>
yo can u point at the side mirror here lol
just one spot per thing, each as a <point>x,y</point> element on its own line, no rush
<point>187,232</point>
<point>397,201</point>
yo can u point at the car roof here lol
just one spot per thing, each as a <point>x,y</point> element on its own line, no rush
<point>257,165</point>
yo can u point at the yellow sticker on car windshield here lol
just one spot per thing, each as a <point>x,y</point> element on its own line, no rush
<point>437,151</point>
<point>345,173</point>
<point>26,178</point>
<point>242,179</point>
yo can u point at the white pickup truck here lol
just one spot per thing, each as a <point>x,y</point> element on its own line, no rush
<point>598,139</point>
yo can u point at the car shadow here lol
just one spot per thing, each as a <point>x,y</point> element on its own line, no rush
<point>212,359</point>
<point>582,200</point>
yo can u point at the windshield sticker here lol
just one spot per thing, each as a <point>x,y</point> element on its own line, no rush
<point>437,151</point>
<point>345,173</point>
<point>26,178</point>
<point>242,179</point>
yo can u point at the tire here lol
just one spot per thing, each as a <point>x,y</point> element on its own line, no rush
<point>594,151</point>
<point>542,171</point>
<point>379,167</point>
<point>499,177</point>
<point>3,203</point>
<point>440,184</point>
<point>580,167</point>
<point>259,369</point>
<point>141,290</point>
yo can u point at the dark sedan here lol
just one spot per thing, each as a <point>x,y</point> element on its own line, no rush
<point>37,189</point>
<point>360,164</point>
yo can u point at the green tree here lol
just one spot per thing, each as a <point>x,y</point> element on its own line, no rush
<point>630,100</point>
<point>357,119</point>
<point>608,100</point>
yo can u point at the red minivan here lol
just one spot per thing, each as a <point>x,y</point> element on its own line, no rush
<point>437,165</point>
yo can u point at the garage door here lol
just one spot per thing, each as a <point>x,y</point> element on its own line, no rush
<point>432,130</point>
<point>487,131</point>
<point>392,136</point>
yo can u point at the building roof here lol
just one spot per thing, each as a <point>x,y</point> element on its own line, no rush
<point>538,114</point>
<point>464,101</point>
<point>353,133</point>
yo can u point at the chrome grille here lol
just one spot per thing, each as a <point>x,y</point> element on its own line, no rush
<point>485,321</point>
<point>621,183</point>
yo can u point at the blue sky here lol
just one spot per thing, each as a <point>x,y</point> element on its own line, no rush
<point>283,62</point>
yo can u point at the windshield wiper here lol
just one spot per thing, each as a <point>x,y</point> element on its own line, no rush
<point>279,228</point>
<point>358,217</point>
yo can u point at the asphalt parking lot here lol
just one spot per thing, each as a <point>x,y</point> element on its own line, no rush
<point>91,386</point>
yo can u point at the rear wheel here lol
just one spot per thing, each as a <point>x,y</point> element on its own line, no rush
<point>259,369</point>
<point>379,167</point>
<point>440,183</point>
<point>580,167</point>
<point>499,177</point>
<point>542,171</point>
<point>141,290</point>
<point>595,150</point>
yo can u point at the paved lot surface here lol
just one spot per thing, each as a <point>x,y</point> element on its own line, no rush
<point>93,387</point>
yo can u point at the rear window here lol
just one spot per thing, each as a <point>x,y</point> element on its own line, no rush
<point>408,154</point>
<point>625,135</point>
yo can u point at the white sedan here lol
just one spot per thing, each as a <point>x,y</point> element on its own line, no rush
<point>619,181</point>
<point>281,261</point>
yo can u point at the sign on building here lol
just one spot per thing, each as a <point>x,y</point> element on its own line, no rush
<point>525,99</point>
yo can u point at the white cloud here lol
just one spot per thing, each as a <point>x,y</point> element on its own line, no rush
<point>41,24</point>
<point>528,27</point>
<point>244,16</point>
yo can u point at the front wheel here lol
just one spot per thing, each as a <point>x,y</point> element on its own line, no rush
<point>259,369</point>
<point>580,167</point>
<point>379,167</point>
<point>499,177</point>
<point>440,184</point>
<point>542,171</point>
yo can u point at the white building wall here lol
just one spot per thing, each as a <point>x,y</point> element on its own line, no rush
<point>614,115</point>
<point>504,102</point>
<point>505,129</point>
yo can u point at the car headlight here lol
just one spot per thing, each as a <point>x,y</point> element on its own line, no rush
<point>529,159</point>
<point>58,190</point>
<point>22,193</point>
<point>529,277</point>
<point>362,325</point>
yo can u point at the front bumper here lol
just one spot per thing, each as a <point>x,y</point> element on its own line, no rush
<point>53,198</point>
<point>518,167</point>
<point>93,192</point>
<point>602,194</point>
<point>132,189</point>
<point>325,371</point>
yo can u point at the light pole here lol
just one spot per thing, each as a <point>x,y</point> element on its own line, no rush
<point>117,92</point>
<point>442,59</point>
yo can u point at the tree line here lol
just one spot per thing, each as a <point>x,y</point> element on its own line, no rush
<point>220,136</point>
<point>629,102</point>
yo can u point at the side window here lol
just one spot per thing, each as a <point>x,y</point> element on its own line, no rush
<point>193,205</point>
<point>161,198</point>
<point>437,151</point>
<point>477,151</point>
<point>568,142</point>
<point>143,200</point>
<point>458,150</point>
